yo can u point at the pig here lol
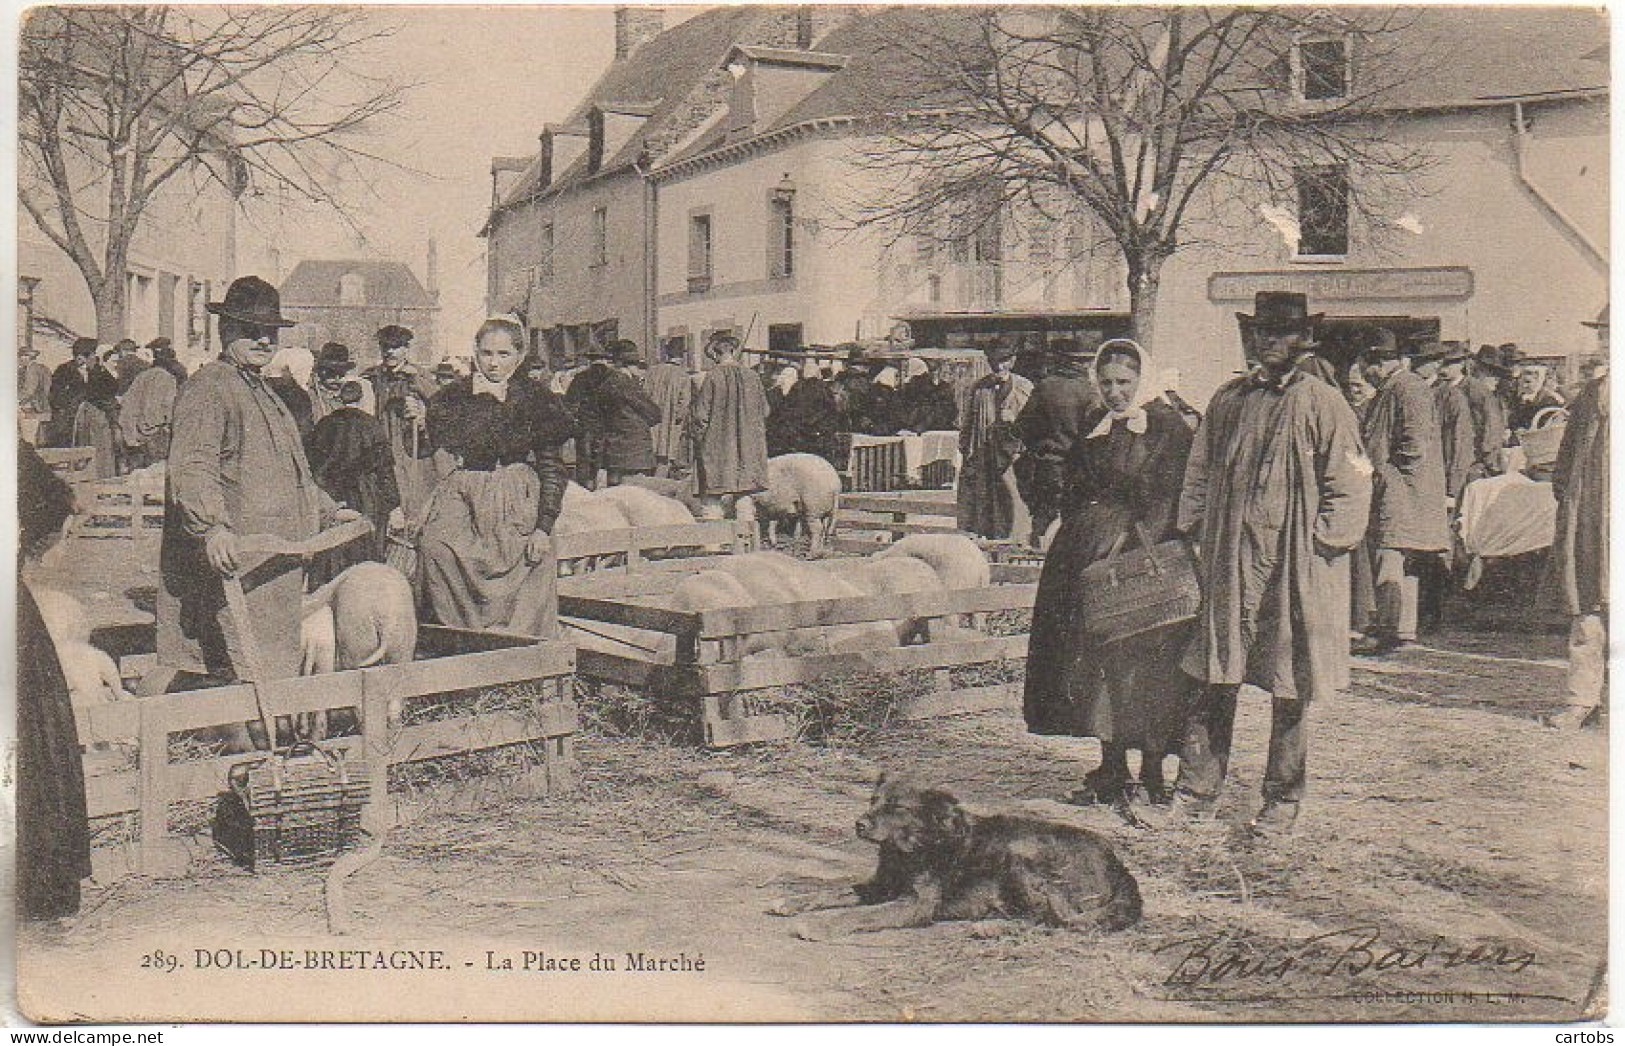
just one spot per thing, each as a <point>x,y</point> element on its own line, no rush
<point>775,578</point>
<point>899,575</point>
<point>92,677</point>
<point>681,490</point>
<point>645,508</point>
<point>368,616</point>
<point>587,513</point>
<point>64,616</point>
<point>957,559</point>
<point>803,489</point>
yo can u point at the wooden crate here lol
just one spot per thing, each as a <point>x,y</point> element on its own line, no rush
<point>71,463</point>
<point>130,508</point>
<point>632,547</point>
<point>878,466</point>
<point>708,668</point>
<point>866,522</point>
<point>452,661</point>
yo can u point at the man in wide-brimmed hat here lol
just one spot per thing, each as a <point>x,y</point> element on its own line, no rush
<point>1276,493</point>
<point>614,416</point>
<point>1409,517</point>
<point>1049,425</point>
<point>1580,550</point>
<point>401,392</point>
<point>1275,309</point>
<point>236,466</point>
<point>989,505</point>
<point>1482,387</point>
<point>330,367</point>
<point>671,387</point>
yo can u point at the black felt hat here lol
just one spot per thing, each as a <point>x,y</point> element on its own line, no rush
<point>1277,310</point>
<point>251,300</point>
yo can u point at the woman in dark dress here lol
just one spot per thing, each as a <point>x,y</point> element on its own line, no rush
<point>53,831</point>
<point>1126,471</point>
<point>484,549</point>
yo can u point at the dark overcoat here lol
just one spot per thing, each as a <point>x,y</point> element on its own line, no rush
<point>1580,481</point>
<point>1402,439</point>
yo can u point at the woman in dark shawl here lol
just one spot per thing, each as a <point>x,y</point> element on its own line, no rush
<point>53,830</point>
<point>1122,477</point>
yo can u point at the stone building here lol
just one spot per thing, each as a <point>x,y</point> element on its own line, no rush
<point>349,300</point>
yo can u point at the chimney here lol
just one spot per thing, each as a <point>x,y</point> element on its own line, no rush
<point>432,272</point>
<point>634,26</point>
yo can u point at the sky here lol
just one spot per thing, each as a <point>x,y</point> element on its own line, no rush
<point>489,77</point>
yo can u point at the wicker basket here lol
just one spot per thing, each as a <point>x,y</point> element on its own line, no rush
<point>302,806</point>
<point>1541,441</point>
<point>1131,592</point>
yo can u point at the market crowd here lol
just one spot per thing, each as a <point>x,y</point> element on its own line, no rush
<point>1306,502</point>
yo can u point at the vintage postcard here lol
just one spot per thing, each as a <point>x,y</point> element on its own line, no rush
<point>820,513</point>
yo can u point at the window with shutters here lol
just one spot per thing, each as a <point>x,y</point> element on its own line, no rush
<point>600,238</point>
<point>781,239</point>
<point>699,253</point>
<point>1323,211</point>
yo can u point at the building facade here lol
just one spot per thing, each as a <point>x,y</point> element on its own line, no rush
<point>183,254</point>
<point>347,301</point>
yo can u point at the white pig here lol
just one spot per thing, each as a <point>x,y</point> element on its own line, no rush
<point>645,508</point>
<point>803,489</point>
<point>899,575</point>
<point>92,676</point>
<point>957,559</point>
<point>64,616</point>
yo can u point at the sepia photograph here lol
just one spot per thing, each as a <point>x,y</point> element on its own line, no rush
<point>811,514</point>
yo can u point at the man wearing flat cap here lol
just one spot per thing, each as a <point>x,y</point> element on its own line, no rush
<point>1050,424</point>
<point>401,393</point>
<point>1409,521</point>
<point>1580,550</point>
<point>989,505</point>
<point>236,467</point>
<point>1277,491</point>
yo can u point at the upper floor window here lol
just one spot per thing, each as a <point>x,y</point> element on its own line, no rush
<point>1323,211</point>
<point>352,289</point>
<point>781,243</point>
<point>600,237</point>
<point>544,266</point>
<point>1321,69</point>
<point>699,252</point>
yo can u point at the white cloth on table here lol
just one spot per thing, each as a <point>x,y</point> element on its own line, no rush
<point>1506,515</point>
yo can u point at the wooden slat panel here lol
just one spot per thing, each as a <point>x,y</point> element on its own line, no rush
<point>812,613</point>
<point>466,671</point>
<point>110,794</point>
<point>677,681</point>
<point>615,583</point>
<point>1018,573</point>
<point>904,502</point>
<point>653,619</point>
<point>192,709</point>
<point>120,721</point>
<point>769,672</point>
<point>724,733</point>
<point>962,702</point>
<point>609,542</point>
<point>456,736</point>
<point>886,526</point>
<point>446,641</point>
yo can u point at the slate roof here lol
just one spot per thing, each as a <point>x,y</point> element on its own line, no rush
<point>388,283</point>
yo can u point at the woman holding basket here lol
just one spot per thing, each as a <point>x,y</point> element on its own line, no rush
<point>1121,494</point>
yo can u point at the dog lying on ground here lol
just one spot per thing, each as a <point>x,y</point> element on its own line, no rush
<point>939,862</point>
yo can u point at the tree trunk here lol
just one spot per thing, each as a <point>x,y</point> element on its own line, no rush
<point>1144,283</point>
<point>110,307</point>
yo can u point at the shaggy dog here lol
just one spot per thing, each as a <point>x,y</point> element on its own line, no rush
<point>940,862</point>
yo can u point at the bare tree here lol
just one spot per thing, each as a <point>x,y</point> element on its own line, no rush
<point>1136,116</point>
<point>118,103</point>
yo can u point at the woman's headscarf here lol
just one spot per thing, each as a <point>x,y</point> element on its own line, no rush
<point>1149,377</point>
<point>915,368</point>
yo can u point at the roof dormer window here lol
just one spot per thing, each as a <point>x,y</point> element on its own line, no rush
<point>1320,68</point>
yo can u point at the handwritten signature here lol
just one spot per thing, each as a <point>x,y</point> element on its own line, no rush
<point>1351,951</point>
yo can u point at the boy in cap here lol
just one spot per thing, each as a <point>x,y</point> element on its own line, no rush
<point>401,393</point>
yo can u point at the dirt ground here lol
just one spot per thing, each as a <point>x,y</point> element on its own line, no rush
<point>1449,865</point>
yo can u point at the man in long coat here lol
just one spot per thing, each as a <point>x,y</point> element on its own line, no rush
<point>1580,550</point>
<point>80,379</point>
<point>988,504</point>
<point>401,392</point>
<point>1277,491</point>
<point>728,426</point>
<point>615,415</point>
<point>1443,366</point>
<point>1409,520</point>
<point>1050,423</point>
<point>804,419</point>
<point>236,467</point>
<point>33,383</point>
<point>1481,387</point>
<point>146,408</point>
<point>669,385</point>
